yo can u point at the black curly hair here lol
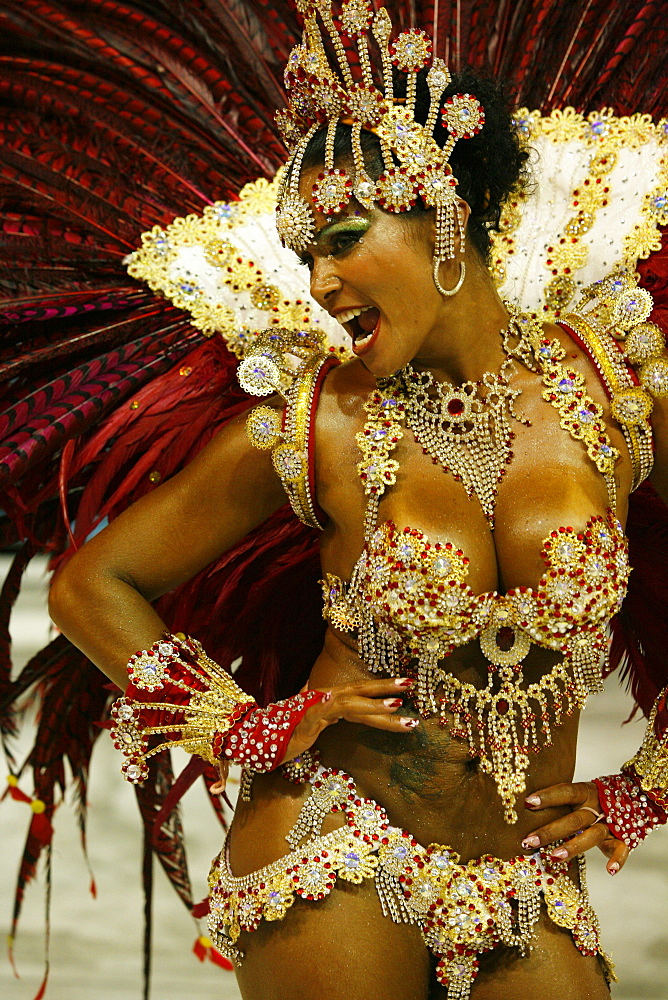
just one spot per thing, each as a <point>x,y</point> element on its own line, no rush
<point>489,167</point>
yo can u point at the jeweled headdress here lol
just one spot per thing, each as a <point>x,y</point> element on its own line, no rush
<point>343,89</point>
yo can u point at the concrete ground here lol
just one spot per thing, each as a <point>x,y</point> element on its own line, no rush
<point>96,944</point>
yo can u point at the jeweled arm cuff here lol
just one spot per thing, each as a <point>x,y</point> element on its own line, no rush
<point>179,694</point>
<point>650,764</point>
<point>630,812</point>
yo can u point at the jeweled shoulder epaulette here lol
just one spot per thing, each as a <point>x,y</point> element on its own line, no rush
<point>611,322</point>
<point>292,364</point>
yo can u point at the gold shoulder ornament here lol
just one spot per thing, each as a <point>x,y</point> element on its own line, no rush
<point>611,319</point>
<point>291,364</point>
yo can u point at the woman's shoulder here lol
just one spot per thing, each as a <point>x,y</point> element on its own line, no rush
<point>344,392</point>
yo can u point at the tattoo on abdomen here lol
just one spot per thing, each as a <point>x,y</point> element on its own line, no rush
<point>416,756</point>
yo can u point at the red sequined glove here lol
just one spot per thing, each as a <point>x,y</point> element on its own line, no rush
<point>630,811</point>
<point>635,802</point>
<point>259,739</point>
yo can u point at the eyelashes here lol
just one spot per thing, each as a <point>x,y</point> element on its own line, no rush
<point>346,238</point>
<point>339,242</point>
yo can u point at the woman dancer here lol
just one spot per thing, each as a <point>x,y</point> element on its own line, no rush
<point>455,566</point>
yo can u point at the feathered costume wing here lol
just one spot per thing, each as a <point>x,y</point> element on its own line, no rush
<point>117,117</point>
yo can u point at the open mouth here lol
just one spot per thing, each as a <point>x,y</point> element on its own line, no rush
<point>362,324</point>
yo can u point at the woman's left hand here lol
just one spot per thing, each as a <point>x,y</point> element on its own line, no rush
<point>579,829</point>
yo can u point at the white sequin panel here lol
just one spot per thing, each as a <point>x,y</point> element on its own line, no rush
<point>558,169</point>
<point>256,239</point>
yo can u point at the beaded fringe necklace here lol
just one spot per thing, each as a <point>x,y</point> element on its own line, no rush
<point>467,428</point>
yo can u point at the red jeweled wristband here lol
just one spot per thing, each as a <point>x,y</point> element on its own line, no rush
<point>259,739</point>
<point>178,696</point>
<point>630,812</point>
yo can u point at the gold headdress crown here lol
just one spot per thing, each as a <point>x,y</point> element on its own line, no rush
<point>322,94</point>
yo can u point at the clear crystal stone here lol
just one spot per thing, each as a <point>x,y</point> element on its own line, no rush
<point>442,565</point>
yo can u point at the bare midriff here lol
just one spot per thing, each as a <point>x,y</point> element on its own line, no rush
<point>425,779</point>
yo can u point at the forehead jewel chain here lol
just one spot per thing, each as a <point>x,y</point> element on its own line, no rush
<point>323,93</point>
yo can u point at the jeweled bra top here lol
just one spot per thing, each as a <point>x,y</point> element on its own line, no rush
<point>409,602</point>
<point>413,593</point>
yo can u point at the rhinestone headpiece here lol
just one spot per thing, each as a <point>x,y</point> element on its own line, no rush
<point>345,89</point>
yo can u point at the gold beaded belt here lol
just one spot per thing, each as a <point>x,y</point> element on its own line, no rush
<point>462,908</point>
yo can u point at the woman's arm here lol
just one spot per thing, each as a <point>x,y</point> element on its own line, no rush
<point>101,598</point>
<point>625,797</point>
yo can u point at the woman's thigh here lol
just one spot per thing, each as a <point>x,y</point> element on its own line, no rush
<point>343,948</point>
<point>552,970</point>
<point>338,948</point>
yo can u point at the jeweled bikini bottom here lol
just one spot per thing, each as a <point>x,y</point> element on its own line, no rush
<point>462,909</point>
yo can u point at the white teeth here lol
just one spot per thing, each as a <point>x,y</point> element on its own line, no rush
<point>348,314</point>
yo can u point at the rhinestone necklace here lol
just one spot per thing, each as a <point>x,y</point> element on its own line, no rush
<point>467,428</point>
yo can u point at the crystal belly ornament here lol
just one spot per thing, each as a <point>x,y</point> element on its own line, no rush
<point>410,599</point>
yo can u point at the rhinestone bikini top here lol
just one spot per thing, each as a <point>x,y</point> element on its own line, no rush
<point>415,594</point>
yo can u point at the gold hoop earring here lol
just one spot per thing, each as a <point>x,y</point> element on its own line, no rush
<point>447,292</point>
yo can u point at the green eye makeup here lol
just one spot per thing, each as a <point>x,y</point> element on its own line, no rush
<point>351,224</point>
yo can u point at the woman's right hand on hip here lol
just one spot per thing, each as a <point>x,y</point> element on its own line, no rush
<point>375,703</point>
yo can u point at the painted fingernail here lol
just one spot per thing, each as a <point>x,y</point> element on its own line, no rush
<point>393,702</point>
<point>409,723</point>
<point>532,800</point>
<point>531,842</point>
<point>327,696</point>
<point>404,682</point>
<point>613,868</point>
<point>559,854</point>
